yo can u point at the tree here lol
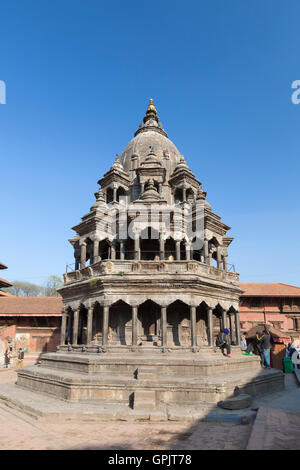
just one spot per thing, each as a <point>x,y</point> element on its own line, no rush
<point>21,288</point>
<point>51,285</point>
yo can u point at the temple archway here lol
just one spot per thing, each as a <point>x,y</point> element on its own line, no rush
<point>149,320</point>
<point>97,324</point>
<point>119,331</point>
<point>149,244</point>
<point>201,325</point>
<point>178,324</point>
<point>82,325</point>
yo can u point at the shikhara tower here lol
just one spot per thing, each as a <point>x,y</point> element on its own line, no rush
<point>149,292</point>
<point>150,257</point>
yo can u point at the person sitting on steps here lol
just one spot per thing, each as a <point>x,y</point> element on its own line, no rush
<point>223,342</point>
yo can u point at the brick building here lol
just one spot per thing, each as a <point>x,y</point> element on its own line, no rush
<point>274,303</point>
<point>33,321</point>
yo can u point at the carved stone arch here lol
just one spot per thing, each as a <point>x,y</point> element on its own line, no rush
<point>178,323</point>
<point>120,316</point>
<point>202,324</point>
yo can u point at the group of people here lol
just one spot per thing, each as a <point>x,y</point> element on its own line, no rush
<point>261,345</point>
<point>6,359</point>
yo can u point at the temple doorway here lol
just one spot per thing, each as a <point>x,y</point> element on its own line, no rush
<point>149,321</point>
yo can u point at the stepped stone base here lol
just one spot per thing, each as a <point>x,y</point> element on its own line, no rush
<point>148,381</point>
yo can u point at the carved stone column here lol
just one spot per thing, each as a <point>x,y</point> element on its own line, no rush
<point>63,327</point>
<point>90,325</point>
<point>134,325</point>
<point>137,252</point>
<point>193,325</point>
<point>219,258</point>
<point>162,247</point>
<point>113,250</point>
<point>105,325</point>
<point>83,256</point>
<point>206,255</point>
<point>122,249</point>
<point>232,332</point>
<point>187,252</point>
<point>210,326</point>
<point>114,194</point>
<point>164,325</point>
<point>237,328</point>
<point>225,264</point>
<point>96,250</point>
<point>75,326</point>
<point>224,319</point>
<point>178,249</point>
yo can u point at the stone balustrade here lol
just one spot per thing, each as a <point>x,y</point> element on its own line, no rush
<point>125,267</point>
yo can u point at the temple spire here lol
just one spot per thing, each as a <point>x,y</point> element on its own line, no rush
<point>151,121</point>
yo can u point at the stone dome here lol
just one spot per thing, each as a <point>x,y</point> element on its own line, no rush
<point>151,134</point>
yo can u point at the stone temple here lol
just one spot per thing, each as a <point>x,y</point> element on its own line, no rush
<point>150,290</point>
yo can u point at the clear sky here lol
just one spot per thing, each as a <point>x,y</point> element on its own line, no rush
<point>78,78</point>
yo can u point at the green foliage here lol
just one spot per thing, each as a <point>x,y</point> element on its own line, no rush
<point>121,273</point>
<point>24,289</point>
<point>94,281</point>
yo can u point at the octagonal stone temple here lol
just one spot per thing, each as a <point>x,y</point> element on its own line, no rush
<point>149,291</point>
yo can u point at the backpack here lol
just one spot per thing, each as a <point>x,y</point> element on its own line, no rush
<point>220,339</point>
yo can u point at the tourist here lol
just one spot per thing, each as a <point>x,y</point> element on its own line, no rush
<point>223,342</point>
<point>6,360</point>
<point>20,358</point>
<point>265,346</point>
<point>244,342</point>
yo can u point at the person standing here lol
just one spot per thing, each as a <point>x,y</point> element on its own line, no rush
<point>20,358</point>
<point>265,346</point>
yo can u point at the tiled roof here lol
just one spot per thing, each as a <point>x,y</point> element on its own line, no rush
<point>40,306</point>
<point>5,294</point>
<point>269,289</point>
<point>3,266</point>
<point>4,283</point>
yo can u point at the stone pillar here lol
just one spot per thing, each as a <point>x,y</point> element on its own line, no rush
<point>69,318</point>
<point>225,264</point>
<point>83,256</point>
<point>115,194</point>
<point>63,327</point>
<point>224,319</point>
<point>113,250</point>
<point>159,188</point>
<point>205,249</point>
<point>184,194</point>
<point>96,250</point>
<point>210,326</point>
<point>232,332</point>
<point>134,325</point>
<point>193,325</point>
<point>90,325</point>
<point>187,252</point>
<point>122,249</point>
<point>237,328</point>
<point>297,323</point>
<point>162,247</point>
<point>142,188</point>
<point>75,326</point>
<point>164,326</point>
<point>177,249</point>
<point>137,252</point>
<point>219,258</point>
<point>105,325</point>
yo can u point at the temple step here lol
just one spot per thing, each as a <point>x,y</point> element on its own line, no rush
<point>144,400</point>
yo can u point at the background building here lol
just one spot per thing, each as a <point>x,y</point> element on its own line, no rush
<point>33,321</point>
<point>274,303</point>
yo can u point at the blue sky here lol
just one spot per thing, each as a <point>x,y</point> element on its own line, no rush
<point>78,77</point>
